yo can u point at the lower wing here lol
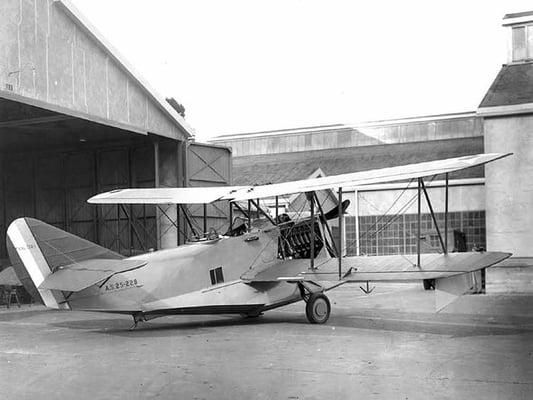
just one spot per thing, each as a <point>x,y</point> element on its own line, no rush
<point>448,270</point>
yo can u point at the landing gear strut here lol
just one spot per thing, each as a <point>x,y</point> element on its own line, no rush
<point>137,317</point>
<point>318,307</point>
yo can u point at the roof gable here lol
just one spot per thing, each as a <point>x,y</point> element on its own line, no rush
<point>53,55</point>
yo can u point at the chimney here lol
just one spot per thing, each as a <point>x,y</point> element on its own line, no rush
<point>519,36</point>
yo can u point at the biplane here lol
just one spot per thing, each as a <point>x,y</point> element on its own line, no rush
<point>252,268</point>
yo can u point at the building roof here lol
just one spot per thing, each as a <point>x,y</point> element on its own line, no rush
<point>518,14</point>
<point>64,65</point>
<point>355,126</point>
<point>513,86</point>
<point>89,29</point>
<point>274,168</point>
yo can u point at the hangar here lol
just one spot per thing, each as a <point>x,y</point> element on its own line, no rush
<point>76,119</point>
<point>493,206</point>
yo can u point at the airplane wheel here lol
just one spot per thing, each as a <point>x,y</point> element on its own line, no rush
<point>317,308</point>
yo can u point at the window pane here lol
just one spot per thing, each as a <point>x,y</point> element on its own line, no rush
<point>519,43</point>
<point>219,276</point>
<point>213,278</point>
<point>530,42</point>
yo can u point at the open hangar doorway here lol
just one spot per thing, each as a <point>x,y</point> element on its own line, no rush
<point>52,162</point>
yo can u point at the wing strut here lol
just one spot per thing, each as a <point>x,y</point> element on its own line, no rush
<point>418,226</point>
<point>433,215</point>
<point>341,220</point>
<point>277,210</point>
<point>259,209</point>
<point>443,241</point>
<point>311,197</point>
<point>446,217</point>
<point>324,221</point>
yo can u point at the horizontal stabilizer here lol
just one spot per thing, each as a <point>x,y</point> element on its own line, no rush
<point>76,277</point>
<point>450,288</point>
<point>9,277</point>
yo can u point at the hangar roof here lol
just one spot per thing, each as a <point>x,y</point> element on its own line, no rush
<point>24,126</point>
<point>273,168</point>
<point>64,65</point>
<point>86,25</point>
<point>513,86</point>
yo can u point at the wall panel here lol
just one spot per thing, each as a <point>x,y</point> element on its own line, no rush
<point>209,166</point>
<point>54,187</point>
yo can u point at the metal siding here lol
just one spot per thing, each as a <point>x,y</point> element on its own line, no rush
<point>54,58</point>
<point>454,127</point>
<point>80,182</point>
<point>3,227</point>
<point>143,175</point>
<point>19,191</point>
<point>49,190</point>
<point>113,173</point>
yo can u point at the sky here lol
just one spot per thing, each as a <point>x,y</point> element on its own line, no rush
<point>246,66</point>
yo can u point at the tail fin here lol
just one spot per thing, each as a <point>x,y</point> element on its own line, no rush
<point>37,249</point>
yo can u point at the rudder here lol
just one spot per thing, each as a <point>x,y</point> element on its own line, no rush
<point>25,252</point>
<point>37,249</point>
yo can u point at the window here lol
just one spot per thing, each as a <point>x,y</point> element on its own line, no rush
<point>523,43</point>
<point>530,41</point>
<point>216,275</point>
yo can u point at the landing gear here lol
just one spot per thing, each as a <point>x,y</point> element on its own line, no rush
<point>317,308</point>
<point>137,317</point>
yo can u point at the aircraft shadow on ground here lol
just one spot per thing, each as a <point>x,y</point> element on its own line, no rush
<point>402,322</point>
<point>160,328</point>
<point>446,328</point>
<point>16,315</point>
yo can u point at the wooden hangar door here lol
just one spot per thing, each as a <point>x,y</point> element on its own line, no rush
<point>54,187</point>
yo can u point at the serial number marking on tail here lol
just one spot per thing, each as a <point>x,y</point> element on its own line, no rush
<point>25,247</point>
<point>127,284</point>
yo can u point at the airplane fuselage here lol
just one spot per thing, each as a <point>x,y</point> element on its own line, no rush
<point>201,277</point>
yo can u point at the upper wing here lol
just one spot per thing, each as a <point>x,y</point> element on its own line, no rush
<point>378,268</point>
<point>197,195</point>
<point>236,193</point>
<point>381,175</point>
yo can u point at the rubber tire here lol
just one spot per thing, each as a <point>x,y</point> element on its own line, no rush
<point>429,284</point>
<point>314,309</point>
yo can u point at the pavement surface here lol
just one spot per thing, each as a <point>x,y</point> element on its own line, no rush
<point>386,345</point>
